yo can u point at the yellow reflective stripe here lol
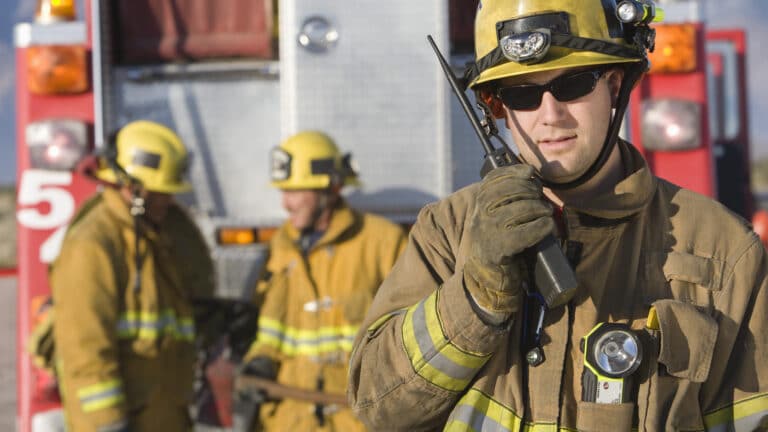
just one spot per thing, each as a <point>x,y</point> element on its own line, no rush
<point>432,355</point>
<point>383,319</point>
<point>102,395</point>
<point>149,325</point>
<point>478,412</point>
<point>293,341</point>
<point>745,414</point>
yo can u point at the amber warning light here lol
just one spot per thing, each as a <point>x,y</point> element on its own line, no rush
<point>49,11</point>
<point>56,66</point>
<point>675,49</point>
<point>244,236</point>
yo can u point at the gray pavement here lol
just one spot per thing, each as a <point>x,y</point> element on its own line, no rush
<point>7,353</point>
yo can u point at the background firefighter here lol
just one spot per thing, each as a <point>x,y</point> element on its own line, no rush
<point>123,284</point>
<point>325,265</point>
<point>456,338</point>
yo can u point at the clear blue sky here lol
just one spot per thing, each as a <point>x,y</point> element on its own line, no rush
<point>751,14</point>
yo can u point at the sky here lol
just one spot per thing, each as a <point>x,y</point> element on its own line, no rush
<point>749,14</point>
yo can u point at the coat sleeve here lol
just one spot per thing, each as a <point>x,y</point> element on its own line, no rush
<point>735,397</point>
<point>270,296</point>
<point>393,248</point>
<point>85,296</point>
<point>421,343</point>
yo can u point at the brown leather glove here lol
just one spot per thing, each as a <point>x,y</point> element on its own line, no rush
<point>510,216</point>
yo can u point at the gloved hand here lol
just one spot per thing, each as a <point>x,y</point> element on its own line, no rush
<point>246,403</point>
<point>510,216</point>
<point>260,366</point>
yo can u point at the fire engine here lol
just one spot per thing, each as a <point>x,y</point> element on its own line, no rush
<point>689,115</point>
<point>232,82</point>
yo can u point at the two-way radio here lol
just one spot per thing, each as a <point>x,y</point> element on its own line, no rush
<point>553,275</point>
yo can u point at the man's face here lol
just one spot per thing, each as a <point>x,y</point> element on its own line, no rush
<point>303,207</point>
<point>562,139</point>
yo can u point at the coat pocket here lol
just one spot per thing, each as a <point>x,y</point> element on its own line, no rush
<point>688,338</point>
<point>682,276</point>
<point>679,362</point>
<point>597,417</point>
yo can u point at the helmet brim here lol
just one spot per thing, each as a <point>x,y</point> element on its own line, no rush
<point>570,60</point>
<point>108,175</point>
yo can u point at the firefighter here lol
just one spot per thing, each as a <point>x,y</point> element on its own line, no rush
<point>456,337</point>
<point>131,263</point>
<point>326,263</point>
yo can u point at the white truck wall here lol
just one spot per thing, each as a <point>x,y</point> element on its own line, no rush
<point>380,93</point>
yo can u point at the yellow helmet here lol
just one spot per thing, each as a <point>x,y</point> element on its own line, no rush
<point>310,160</point>
<point>150,153</point>
<point>515,37</point>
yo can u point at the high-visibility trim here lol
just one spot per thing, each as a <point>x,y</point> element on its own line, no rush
<point>118,426</point>
<point>478,412</point>
<point>150,325</point>
<point>294,341</point>
<point>745,415</point>
<point>383,320</point>
<point>102,395</point>
<point>432,355</point>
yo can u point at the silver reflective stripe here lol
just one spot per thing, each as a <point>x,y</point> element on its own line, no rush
<point>119,426</point>
<point>476,420</point>
<point>430,353</point>
<point>106,394</point>
<point>308,342</point>
<point>745,424</point>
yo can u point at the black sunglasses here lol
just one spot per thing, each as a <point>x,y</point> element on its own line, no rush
<point>564,88</point>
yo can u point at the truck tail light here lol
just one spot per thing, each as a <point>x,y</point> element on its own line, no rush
<point>233,236</point>
<point>57,69</point>
<point>675,49</point>
<point>57,144</point>
<point>671,125</point>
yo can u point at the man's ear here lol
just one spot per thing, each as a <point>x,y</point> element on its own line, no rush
<point>615,79</point>
<point>494,103</point>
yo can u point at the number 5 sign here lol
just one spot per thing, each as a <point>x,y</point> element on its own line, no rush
<point>46,187</point>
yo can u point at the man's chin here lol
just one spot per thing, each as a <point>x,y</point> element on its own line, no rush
<point>559,175</point>
<point>298,225</point>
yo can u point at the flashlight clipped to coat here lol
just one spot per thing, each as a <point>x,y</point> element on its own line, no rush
<point>612,354</point>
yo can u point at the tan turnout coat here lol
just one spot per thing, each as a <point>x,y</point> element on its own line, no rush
<point>425,361</point>
<point>127,356</point>
<point>312,307</point>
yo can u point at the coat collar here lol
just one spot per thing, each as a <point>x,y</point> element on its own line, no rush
<point>630,195</point>
<point>119,209</point>
<point>342,220</point>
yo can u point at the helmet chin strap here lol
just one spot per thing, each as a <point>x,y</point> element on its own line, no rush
<point>322,204</point>
<point>631,75</point>
<point>324,201</point>
<point>138,210</point>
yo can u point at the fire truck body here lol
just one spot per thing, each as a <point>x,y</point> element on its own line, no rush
<point>369,80</point>
<point>46,200</point>
<point>362,72</point>
<point>689,114</point>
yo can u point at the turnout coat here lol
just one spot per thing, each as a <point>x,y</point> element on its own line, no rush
<point>426,361</point>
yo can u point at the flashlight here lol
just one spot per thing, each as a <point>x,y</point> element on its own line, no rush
<point>612,353</point>
<point>638,12</point>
